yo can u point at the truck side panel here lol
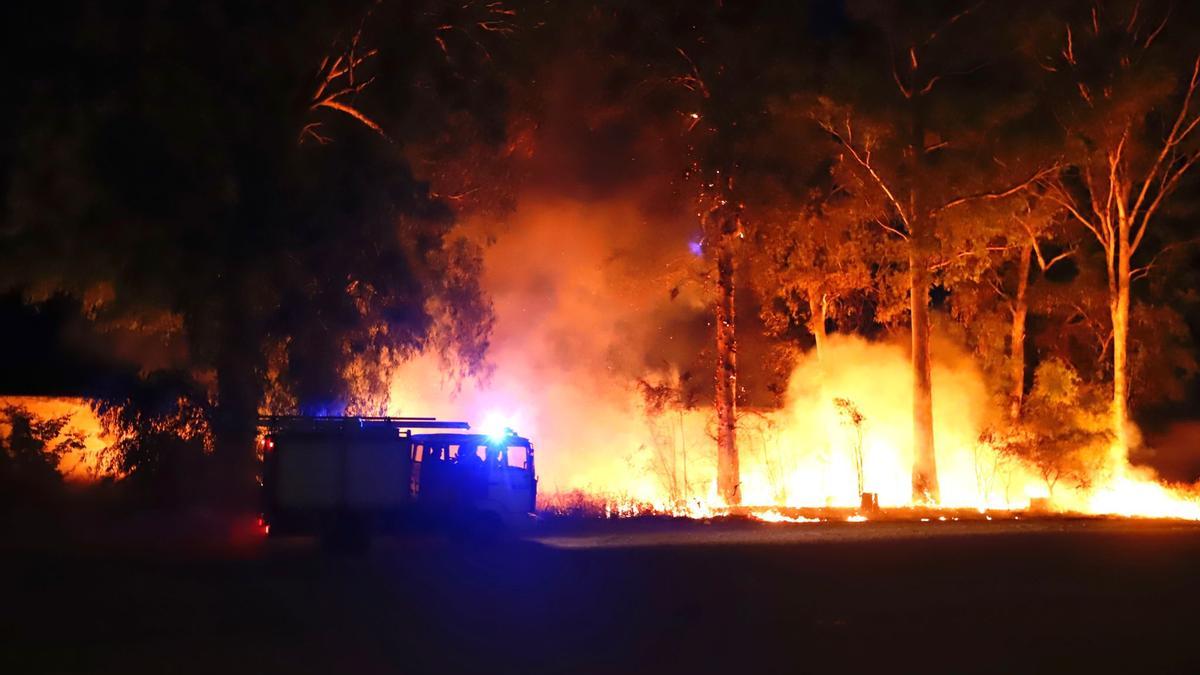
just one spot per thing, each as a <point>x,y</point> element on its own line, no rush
<point>377,474</point>
<point>309,474</point>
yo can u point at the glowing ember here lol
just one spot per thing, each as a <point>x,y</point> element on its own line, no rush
<point>774,516</point>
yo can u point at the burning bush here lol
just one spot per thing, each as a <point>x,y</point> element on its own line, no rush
<point>1063,430</point>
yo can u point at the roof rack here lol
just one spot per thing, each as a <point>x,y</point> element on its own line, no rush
<point>315,422</point>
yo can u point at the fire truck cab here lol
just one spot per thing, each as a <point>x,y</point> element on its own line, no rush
<point>348,478</point>
<point>493,474</point>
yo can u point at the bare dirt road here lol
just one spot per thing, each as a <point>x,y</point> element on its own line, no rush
<point>629,597</point>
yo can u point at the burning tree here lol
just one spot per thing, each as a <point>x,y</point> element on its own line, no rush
<point>726,75</point>
<point>1038,219</point>
<point>722,224</point>
<point>918,156</point>
<point>813,274</point>
<point>993,291</point>
<point>815,259</point>
<point>719,214</point>
<point>1131,114</point>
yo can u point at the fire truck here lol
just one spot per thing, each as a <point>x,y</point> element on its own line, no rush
<point>346,479</point>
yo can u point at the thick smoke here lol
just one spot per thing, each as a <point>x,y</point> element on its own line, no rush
<point>598,280</point>
<point>582,305</point>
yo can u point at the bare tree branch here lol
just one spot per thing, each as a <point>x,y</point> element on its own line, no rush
<point>353,112</point>
<point>950,22</point>
<point>999,194</point>
<point>999,290</point>
<point>904,91</point>
<point>1145,269</point>
<point>1158,30</point>
<point>891,229</point>
<point>1171,172</point>
<point>1043,263</point>
<point>310,131</point>
<point>966,254</point>
<point>1167,188</point>
<point>1047,264</point>
<point>692,81</point>
<point>1173,139</point>
<point>1067,203</point>
<point>863,160</point>
<point>338,83</point>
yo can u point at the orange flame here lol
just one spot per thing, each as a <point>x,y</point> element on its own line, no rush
<point>571,328</point>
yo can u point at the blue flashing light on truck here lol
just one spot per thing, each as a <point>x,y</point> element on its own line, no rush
<point>346,479</point>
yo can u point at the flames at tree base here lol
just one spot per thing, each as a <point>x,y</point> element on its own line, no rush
<point>843,429</point>
<point>1128,492</point>
<point>1140,501</point>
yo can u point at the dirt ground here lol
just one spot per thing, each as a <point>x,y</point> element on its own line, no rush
<point>627,597</point>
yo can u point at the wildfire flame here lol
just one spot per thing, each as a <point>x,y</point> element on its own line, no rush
<point>1129,495</point>
<point>803,455</point>
<point>556,355</point>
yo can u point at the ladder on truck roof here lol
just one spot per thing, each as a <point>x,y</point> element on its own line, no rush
<point>345,422</point>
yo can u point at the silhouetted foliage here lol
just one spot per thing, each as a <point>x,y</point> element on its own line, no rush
<point>30,451</point>
<point>181,177</point>
<point>161,441</point>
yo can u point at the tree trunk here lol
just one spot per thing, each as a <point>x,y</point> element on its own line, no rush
<point>818,307</point>
<point>924,471</point>
<point>236,411</point>
<point>234,431</point>
<point>1119,307</point>
<point>687,489</point>
<point>728,478</point>
<point>238,348</point>
<point>1017,342</point>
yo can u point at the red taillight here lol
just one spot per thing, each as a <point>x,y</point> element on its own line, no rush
<point>270,444</point>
